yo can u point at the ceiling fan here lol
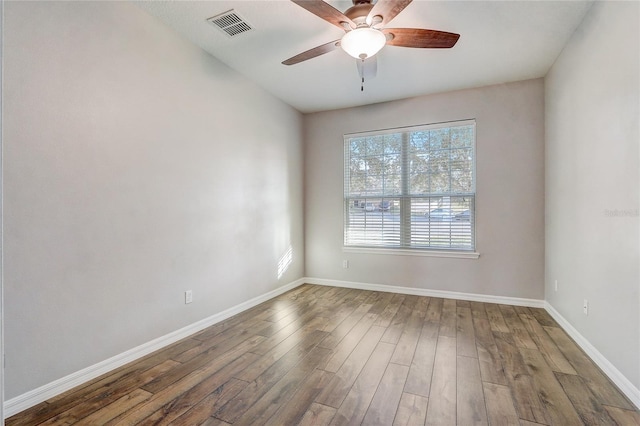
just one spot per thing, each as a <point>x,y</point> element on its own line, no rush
<point>365,33</point>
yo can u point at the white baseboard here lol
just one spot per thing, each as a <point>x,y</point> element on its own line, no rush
<point>472,297</point>
<point>625,386</point>
<point>38,395</point>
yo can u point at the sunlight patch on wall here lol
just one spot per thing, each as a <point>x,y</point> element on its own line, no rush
<point>285,261</point>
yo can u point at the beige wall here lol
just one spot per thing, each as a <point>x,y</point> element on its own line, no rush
<point>593,183</point>
<point>509,202</point>
<point>136,167</point>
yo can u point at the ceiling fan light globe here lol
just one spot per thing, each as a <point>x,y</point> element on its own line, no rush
<point>363,42</point>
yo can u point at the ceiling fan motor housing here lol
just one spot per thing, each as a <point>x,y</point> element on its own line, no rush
<point>359,12</point>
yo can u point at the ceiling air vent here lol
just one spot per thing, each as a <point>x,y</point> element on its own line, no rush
<point>231,23</point>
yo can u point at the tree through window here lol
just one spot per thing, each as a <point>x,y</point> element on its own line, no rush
<point>411,188</point>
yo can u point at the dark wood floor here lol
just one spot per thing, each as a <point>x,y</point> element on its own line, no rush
<point>324,355</point>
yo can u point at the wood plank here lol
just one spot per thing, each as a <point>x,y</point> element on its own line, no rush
<point>412,410</point>
<point>266,406</point>
<point>332,340</point>
<point>261,312</point>
<point>585,403</point>
<point>421,370</point>
<point>500,408</point>
<point>36,414</point>
<point>362,296</point>
<point>491,368</point>
<point>342,351</point>
<point>387,314</point>
<point>470,396</point>
<point>465,336</point>
<point>204,409</point>
<point>272,328</point>
<point>183,385</point>
<point>543,317</point>
<point>478,311</point>
<point>422,306</point>
<point>522,310</point>
<point>395,329</point>
<point>526,398</point>
<point>605,391</point>
<point>193,396</point>
<point>309,320</point>
<point>354,406</point>
<point>120,405</point>
<point>233,325</point>
<point>127,373</point>
<point>384,404</point>
<point>623,417</point>
<point>242,402</point>
<point>221,355</point>
<point>521,336</point>
<point>279,309</point>
<point>406,346</point>
<point>373,297</point>
<point>333,296</point>
<point>552,355</point>
<point>314,293</point>
<point>343,311</point>
<point>283,306</point>
<point>495,318</point>
<point>293,411</point>
<point>305,337</point>
<point>434,310</point>
<point>463,304</point>
<point>318,415</point>
<point>442,397</point>
<point>212,421</point>
<point>109,394</point>
<point>337,389</point>
<point>448,318</point>
<point>381,303</point>
<point>221,342</point>
<point>556,402</point>
<point>294,293</point>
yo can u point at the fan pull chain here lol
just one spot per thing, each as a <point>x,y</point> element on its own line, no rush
<point>362,68</point>
<point>362,85</point>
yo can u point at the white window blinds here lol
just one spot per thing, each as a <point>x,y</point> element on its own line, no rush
<point>411,188</point>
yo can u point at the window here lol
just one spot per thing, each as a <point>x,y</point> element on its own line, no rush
<point>411,188</point>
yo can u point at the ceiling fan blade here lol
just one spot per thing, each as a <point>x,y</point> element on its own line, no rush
<point>368,68</point>
<point>312,53</point>
<point>421,38</point>
<point>387,9</point>
<point>326,12</point>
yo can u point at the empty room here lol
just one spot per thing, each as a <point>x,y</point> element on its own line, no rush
<point>308,212</point>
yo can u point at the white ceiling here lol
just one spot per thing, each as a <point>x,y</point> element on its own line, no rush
<point>500,41</point>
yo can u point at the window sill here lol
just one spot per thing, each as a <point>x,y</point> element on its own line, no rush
<point>404,252</point>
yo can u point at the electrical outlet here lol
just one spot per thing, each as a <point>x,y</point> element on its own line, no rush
<point>556,285</point>
<point>188,296</point>
<point>585,307</point>
<point>345,264</point>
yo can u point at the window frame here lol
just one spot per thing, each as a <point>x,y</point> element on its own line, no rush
<point>405,213</point>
